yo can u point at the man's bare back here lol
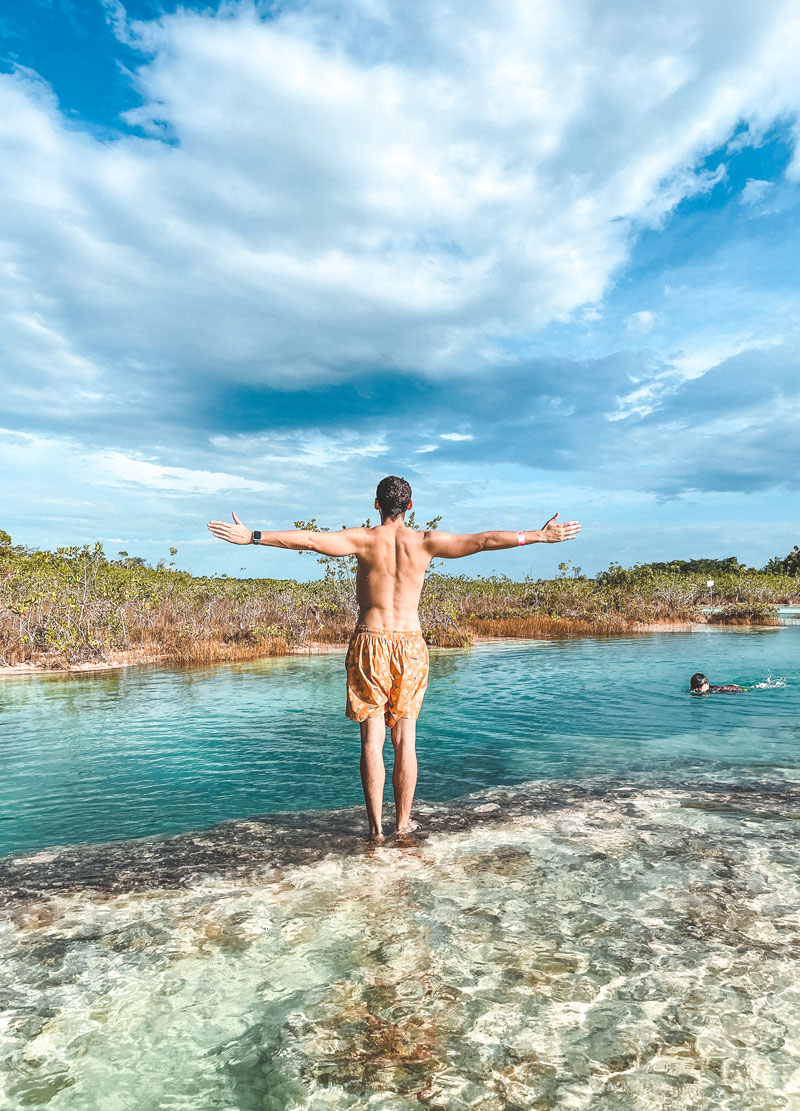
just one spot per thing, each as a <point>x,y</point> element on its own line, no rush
<point>387,659</point>
<point>393,558</point>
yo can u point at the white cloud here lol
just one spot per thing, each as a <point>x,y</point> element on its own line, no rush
<point>306,448</point>
<point>640,323</point>
<point>426,450</point>
<point>333,199</point>
<point>457,436</point>
<point>58,461</point>
<point>754,191</point>
<point>113,468</point>
<point>646,397</point>
<point>701,353</point>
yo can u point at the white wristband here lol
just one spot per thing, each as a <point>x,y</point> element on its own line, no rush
<point>520,538</point>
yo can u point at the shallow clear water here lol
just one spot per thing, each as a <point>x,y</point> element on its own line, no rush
<point>618,930</point>
<point>596,945</point>
<point>149,751</point>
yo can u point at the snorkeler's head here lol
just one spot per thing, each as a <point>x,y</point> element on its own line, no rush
<point>698,682</point>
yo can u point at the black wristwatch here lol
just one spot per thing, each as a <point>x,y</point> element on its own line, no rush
<point>256,537</point>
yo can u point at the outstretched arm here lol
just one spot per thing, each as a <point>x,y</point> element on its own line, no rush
<point>447,545</point>
<point>346,542</point>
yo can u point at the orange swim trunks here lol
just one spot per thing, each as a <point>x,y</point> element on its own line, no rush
<point>387,673</point>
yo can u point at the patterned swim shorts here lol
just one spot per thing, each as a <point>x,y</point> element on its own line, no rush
<point>387,673</point>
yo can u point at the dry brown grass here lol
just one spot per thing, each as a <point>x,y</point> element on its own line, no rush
<point>13,651</point>
<point>334,629</point>
<point>223,636</point>
<point>450,636</point>
<point>543,625</point>
<point>211,649</point>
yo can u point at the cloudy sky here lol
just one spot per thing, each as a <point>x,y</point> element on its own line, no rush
<point>532,256</point>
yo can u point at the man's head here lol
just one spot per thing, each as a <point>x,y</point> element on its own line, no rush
<point>698,682</point>
<point>393,497</point>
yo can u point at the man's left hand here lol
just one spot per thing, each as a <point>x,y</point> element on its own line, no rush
<point>234,534</point>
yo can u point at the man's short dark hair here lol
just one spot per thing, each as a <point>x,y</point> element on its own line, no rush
<point>697,681</point>
<point>393,496</point>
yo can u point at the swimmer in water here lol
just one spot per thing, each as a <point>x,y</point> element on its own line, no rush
<point>699,684</point>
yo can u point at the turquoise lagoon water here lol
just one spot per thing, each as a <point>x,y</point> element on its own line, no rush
<point>151,751</point>
<point>602,911</point>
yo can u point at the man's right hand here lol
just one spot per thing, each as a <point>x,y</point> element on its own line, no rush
<point>552,533</point>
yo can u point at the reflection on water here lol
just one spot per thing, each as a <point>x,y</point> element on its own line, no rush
<point>595,944</point>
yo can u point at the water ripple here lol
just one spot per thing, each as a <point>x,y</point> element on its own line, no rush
<point>605,943</point>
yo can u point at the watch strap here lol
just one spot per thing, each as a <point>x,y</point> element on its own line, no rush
<point>256,537</point>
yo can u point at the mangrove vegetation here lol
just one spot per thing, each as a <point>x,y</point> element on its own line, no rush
<point>76,605</point>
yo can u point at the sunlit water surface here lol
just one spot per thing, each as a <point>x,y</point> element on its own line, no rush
<point>617,927</point>
<point>153,751</point>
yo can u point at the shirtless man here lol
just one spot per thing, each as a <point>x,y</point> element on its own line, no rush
<point>387,658</point>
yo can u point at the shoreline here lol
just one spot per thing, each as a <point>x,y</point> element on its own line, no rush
<point>134,657</point>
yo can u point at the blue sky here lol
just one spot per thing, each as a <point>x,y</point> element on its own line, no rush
<point>533,257</point>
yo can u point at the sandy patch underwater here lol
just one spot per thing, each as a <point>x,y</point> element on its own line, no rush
<point>600,944</point>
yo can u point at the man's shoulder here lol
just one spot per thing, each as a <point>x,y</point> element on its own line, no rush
<point>360,534</point>
<point>423,537</point>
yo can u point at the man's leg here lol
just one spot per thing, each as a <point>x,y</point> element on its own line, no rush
<point>404,776</point>
<point>373,773</point>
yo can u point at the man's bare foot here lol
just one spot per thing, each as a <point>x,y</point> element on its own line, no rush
<point>409,827</point>
<point>376,835</point>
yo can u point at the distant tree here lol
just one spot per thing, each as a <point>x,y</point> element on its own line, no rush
<point>162,563</point>
<point>131,561</point>
<point>729,565</point>
<point>5,539</point>
<point>789,565</point>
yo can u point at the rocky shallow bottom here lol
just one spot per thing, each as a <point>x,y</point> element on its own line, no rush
<point>605,944</point>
